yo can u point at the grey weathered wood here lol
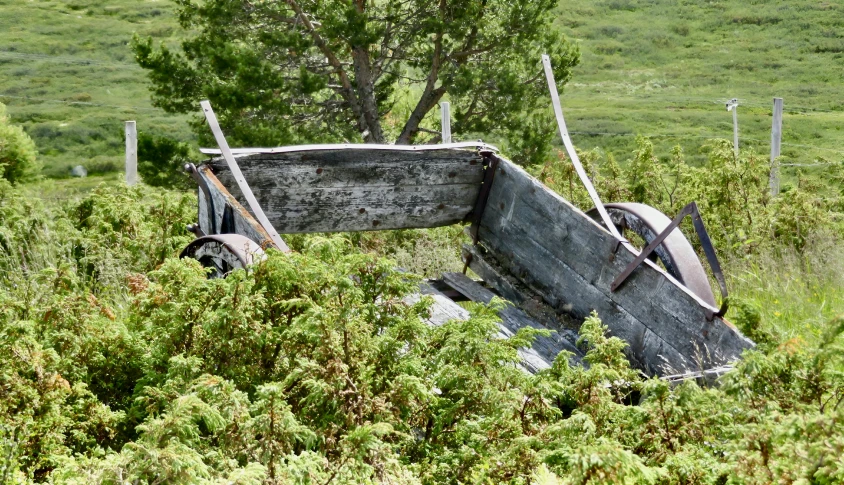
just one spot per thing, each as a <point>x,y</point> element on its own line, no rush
<point>445,121</point>
<point>356,168</point>
<point>562,254</point>
<point>704,378</point>
<point>131,153</point>
<point>544,349</point>
<point>776,141</point>
<point>538,243</point>
<point>237,177</point>
<point>735,131</point>
<point>512,290</point>
<point>444,308</point>
<point>568,292</point>
<point>732,105</point>
<point>360,190</point>
<point>244,223</point>
<point>477,146</point>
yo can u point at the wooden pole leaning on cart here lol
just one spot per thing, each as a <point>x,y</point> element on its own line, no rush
<point>575,160</point>
<point>238,176</point>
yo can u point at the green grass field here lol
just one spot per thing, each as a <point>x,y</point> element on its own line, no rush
<point>657,67</point>
<point>68,76</point>
<point>666,68</point>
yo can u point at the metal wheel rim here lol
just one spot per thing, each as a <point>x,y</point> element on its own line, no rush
<point>224,253</point>
<point>676,253</point>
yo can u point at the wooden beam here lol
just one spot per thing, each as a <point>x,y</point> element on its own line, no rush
<point>243,222</point>
<point>445,121</point>
<point>511,289</point>
<point>360,190</point>
<point>254,207</point>
<point>776,142</point>
<point>131,130</point>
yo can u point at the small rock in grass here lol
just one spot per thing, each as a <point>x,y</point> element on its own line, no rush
<point>79,171</point>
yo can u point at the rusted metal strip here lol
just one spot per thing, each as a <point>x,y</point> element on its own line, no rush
<point>238,176</point>
<point>712,259</point>
<point>491,165</point>
<point>650,247</point>
<point>690,210</point>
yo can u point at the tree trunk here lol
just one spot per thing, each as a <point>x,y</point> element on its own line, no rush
<point>430,97</point>
<point>365,86</point>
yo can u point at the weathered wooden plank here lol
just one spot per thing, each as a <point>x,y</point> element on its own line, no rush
<point>242,221</point>
<point>511,289</point>
<point>570,290</point>
<point>360,190</point>
<point>544,349</point>
<point>567,292</point>
<point>366,208</point>
<point>444,308</point>
<point>530,225</point>
<point>705,378</point>
<point>358,168</point>
<point>667,307</point>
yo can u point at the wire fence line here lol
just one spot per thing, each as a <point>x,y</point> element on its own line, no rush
<point>742,101</point>
<point>809,164</point>
<point>85,61</point>
<point>587,133</point>
<point>681,135</point>
<point>5,54</point>
<point>81,103</point>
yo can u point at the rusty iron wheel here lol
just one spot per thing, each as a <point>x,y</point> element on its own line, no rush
<point>676,253</point>
<point>224,253</point>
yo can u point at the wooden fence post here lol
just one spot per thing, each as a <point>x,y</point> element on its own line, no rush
<point>445,121</point>
<point>776,140</point>
<point>131,153</point>
<point>732,105</point>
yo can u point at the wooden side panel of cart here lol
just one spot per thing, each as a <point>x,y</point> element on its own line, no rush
<point>533,244</point>
<point>545,243</point>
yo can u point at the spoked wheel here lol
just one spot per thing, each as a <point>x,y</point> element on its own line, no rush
<point>224,253</point>
<point>676,253</point>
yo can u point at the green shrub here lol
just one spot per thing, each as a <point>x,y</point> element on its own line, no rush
<point>17,152</point>
<point>732,193</point>
<point>120,363</point>
<point>161,162</point>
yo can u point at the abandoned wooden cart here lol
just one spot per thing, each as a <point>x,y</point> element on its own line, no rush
<point>555,263</point>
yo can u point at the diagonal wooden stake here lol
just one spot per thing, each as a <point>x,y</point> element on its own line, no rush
<point>238,176</point>
<point>575,160</point>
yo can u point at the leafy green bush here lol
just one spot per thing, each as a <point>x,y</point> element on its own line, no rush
<point>161,161</point>
<point>17,152</point>
<point>732,193</point>
<point>120,363</point>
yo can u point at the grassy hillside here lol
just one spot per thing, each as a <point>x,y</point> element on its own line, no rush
<point>657,67</point>
<point>67,75</point>
<point>667,67</point>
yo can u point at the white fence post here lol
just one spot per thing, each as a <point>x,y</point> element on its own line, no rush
<point>445,121</point>
<point>732,105</point>
<point>131,153</point>
<point>776,140</point>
